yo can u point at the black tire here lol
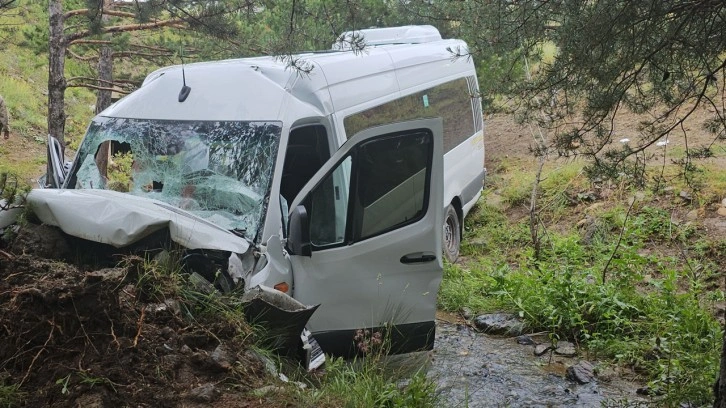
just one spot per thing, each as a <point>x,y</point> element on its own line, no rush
<point>452,234</point>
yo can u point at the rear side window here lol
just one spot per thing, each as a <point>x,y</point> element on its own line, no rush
<point>456,102</point>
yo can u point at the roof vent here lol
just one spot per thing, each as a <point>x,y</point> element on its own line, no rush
<point>413,34</point>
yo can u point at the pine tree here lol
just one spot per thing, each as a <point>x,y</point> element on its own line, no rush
<point>101,32</point>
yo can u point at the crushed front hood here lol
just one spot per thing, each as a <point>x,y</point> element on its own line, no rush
<point>121,219</point>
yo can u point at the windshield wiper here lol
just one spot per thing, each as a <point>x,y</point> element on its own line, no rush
<point>240,232</point>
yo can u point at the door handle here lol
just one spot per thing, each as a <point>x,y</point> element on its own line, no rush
<point>418,257</point>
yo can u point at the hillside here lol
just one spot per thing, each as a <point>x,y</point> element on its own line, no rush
<point>23,85</point>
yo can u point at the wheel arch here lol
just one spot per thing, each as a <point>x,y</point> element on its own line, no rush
<point>458,207</point>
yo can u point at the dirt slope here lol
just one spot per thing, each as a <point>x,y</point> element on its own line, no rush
<point>100,338</point>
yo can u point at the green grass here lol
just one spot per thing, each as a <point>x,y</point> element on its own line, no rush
<point>368,384</point>
<point>10,396</point>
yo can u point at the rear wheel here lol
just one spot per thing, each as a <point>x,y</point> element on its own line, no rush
<point>452,234</point>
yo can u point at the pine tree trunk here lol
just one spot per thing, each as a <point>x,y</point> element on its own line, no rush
<point>56,74</point>
<point>105,74</point>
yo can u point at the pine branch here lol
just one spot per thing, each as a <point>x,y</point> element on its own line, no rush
<point>100,88</point>
<point>80,57</point>
<point>95,12</point>
<point>177,22</point>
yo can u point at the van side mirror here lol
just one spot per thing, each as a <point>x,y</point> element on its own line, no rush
<point>298,238</point>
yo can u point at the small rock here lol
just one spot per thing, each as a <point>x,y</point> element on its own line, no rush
<point>499,323</point>
<point>566,349</point>
<point>466,313</point>
<point>582,372</point>
<point>204,393</point>
<point>721,211</point>
<point>606,374</point>
<point>685,195</point>
<point>692,215</point>
<point>222,356</point>
<point>723,202</point>
<point>542,348</point>
<point>525,340</point>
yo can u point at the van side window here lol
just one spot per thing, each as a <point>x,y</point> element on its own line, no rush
<point>391,183</point>
<point>388,181</point>
<point>307,150</point>
<point>328,207</point>
<point>456,102</point>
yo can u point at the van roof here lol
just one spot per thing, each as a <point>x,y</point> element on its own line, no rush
<point>266,88</point>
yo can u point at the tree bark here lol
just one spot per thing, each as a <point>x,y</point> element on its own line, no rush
<point>105,66</point>
<point>56,72</point>
<point>105,76</point>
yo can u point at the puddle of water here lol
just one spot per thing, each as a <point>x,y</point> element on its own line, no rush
<point>476,370</point>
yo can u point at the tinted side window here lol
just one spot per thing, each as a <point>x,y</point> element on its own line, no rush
<point>391,183</point>
<point>328,207</point>
<point>456,102</point>
<point>382,185</point>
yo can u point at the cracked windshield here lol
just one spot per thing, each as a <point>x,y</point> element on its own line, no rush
<point>220,171</point>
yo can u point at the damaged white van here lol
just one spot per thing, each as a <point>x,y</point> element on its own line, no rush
<point>326,186</point>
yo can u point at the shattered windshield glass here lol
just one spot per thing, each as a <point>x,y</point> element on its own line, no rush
<point>220,171</point>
